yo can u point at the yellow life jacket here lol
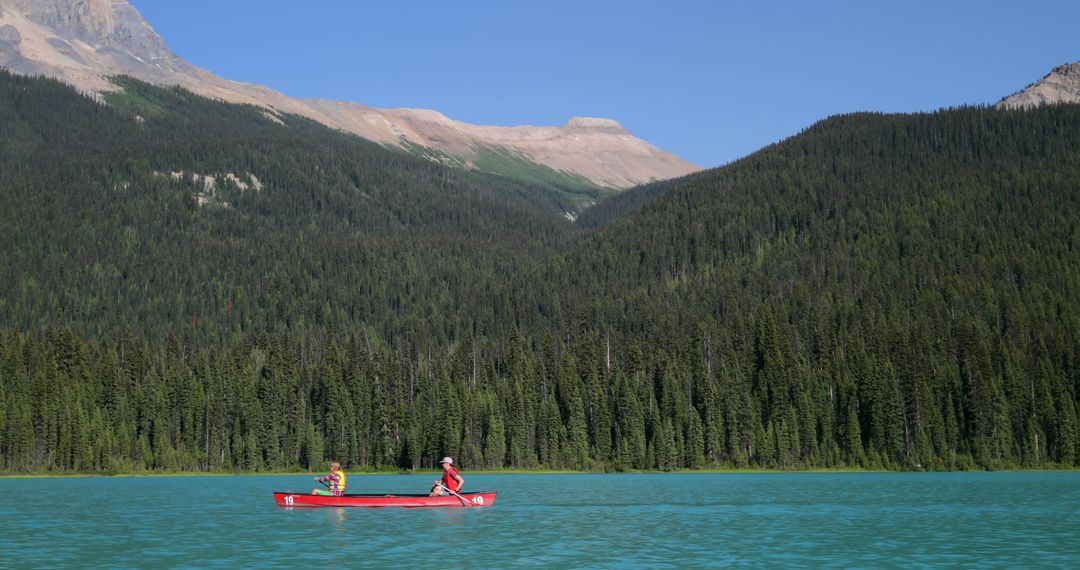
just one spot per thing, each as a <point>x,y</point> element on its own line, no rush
<point>340,485</point>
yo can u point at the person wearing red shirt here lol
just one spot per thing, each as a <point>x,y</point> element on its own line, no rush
<point>451,479</point>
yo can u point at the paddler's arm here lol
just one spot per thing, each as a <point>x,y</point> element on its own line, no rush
<point>460,480</point>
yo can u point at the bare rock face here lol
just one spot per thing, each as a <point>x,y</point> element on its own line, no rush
<point>83,42</point>
<point>1062,85</point>
<point>594,123</point>
<point>100,23</point>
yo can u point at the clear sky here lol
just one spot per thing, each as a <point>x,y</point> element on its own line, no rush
<point>708,81</point>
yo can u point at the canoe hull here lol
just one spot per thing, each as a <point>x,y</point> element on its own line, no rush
<point>483,499</point>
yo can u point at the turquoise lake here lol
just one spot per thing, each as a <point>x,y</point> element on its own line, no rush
<point>975,520</point>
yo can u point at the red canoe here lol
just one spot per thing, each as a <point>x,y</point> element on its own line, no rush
<point>467,500</point>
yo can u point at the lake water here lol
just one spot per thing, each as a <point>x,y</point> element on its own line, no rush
<point>554,521</point>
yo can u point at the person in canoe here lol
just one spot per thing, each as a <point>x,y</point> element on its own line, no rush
<point>451,479</point>
<point>335,482</point>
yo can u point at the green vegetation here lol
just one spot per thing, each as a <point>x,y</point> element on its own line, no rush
<point>619,206</point>
<point>878,292</point>
<point>133,100</point>
<point>579,190</point>
<point>99,234</point>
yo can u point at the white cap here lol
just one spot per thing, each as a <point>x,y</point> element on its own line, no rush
<point>447,460</point>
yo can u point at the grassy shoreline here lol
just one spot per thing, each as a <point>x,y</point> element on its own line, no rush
<point>718,471</point>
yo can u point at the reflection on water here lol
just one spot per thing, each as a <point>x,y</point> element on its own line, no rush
<point>616,521</point>
<point>337,516</point>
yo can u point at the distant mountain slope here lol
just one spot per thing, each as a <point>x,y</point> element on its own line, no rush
<point>82,42</point>
<point>1061,85</point>
<point>846,200</point>
<point>165,208</point>
<point>889,276</point>
<point>625,203</point>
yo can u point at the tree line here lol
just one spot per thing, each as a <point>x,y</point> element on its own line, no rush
<point>278,402</point>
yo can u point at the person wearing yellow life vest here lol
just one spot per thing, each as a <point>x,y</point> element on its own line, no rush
<point>336,480</point>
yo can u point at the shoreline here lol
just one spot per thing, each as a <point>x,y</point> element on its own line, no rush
<point>755,471</point>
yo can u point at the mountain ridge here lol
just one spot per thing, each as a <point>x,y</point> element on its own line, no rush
<point>83,42</point>
<point>1061,85</point>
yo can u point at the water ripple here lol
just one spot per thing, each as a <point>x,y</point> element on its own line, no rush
<point>557,521</point>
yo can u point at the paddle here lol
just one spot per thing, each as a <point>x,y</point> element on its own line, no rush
<point>464,501</point>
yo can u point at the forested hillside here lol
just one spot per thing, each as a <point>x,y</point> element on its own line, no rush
<point>881,291</point>
<point>899,289</point>
<point>623,204</point>
<point>104,225</point>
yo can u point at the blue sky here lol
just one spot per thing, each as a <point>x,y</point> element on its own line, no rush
<point>708,81</point>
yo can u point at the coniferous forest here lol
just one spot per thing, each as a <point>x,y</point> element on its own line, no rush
<point>193,285</point>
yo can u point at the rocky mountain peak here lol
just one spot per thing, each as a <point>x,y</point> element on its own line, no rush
<point>1061,85</point>
<point>1071,70</point>
<point>84,42</point>
<point>114,24</point>
<point>594,123</point>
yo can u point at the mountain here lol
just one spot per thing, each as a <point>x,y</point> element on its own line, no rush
<point>888,275</point>
<point>201,285</point>
<point>206,212</point>
<point>196,285</point>
<point>83,42</point>
<point>1061,85</point>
